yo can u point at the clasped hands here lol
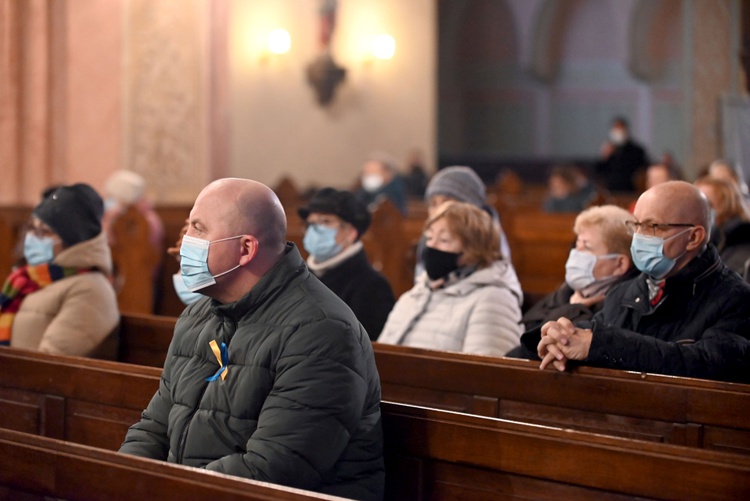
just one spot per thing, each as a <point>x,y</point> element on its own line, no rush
<point>562,341</point>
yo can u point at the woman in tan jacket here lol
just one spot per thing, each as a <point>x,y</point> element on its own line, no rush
<point>62,300</point>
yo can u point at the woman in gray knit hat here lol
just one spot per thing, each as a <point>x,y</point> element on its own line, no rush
<point>461,184</point>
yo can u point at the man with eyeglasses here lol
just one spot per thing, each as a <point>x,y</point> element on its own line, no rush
<point>686,314</point>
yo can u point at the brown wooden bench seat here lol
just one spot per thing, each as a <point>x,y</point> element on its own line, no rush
<point>41,468</point>
<point>683,411</point>
<point>431,454</point>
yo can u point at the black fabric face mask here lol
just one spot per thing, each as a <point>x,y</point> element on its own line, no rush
<point>438,263</point>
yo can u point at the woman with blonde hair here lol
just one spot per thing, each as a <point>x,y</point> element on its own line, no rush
<point>469,298</point>
<point>731,230</point>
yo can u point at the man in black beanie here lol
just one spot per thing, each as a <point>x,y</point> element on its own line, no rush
<point>336,221</point>
<point>62,300</point>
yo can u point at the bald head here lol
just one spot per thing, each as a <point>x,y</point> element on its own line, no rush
<point>247,207</point>
<point>676,202</point>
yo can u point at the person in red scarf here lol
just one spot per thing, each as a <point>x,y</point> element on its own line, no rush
<point>62,301</point>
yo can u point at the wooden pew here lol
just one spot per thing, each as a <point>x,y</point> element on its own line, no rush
<point>433,454</point>
<point>134,259</point>
<point>430,454</point>
<point>692,412</point>
<point>41,468</point>
<point>540,243</point>
<point>684,411</point>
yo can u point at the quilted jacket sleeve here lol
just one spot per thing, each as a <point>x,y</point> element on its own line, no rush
<point>494,324</point>
<point>721,353</point>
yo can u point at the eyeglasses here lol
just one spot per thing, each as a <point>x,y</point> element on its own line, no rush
<point>653,229</point>
<point>41,231</point>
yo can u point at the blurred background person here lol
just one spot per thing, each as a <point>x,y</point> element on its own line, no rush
<point>336,221</point>
<point>722,169</point>
<point>62,300</point>
<point>380,179</point>
<point>661,173</point>
<point>125,189</point>
<point>568,190</point>
<point>658,174</point>
<point>731,226</point>
<point>621,158</point>
<point>468,299</point>
<point>600,260</point>
<point>416,177</point>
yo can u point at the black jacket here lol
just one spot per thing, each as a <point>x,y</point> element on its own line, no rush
<point>619,169</point>
<point>300,404</point>
<point>733,242</point>
<point>700,328</point>
<point>551,307</point>
<point>366,291</point>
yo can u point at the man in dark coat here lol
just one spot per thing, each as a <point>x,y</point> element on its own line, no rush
<point>271,377</point>
<point>686,314</point>
<point>622,159</point>
<point>336,222</point>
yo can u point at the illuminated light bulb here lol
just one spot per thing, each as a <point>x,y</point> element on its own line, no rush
<point>383,46</point>
<point>279,41</point>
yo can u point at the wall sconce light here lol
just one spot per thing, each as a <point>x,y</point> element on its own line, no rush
<point>279,42</point>
<point>383,46</point>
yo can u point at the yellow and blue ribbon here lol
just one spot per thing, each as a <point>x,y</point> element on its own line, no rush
<point>222,356</point>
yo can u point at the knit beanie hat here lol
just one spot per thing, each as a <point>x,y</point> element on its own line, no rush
<point>458,183</point>
<point>340,203</point>
<point>73,212</point>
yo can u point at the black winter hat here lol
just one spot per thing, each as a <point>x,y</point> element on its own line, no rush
<point>340,203</point>
<point>73,212</point>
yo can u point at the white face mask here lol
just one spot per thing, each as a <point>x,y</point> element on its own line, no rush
<point>579,269</point>
<point>372,182</point>
<point>194,262</point>
<point>618,136</point>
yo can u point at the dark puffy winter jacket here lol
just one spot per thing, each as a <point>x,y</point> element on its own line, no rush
<point>300,403</point>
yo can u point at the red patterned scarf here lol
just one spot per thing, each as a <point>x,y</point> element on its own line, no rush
<point>21,283</point>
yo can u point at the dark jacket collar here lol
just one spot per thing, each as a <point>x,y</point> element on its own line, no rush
<point>289,268</point>
<point>686,282</point>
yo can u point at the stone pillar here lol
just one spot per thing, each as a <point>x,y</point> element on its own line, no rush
<point>25,105</point>
<point>710,77</point>
<point>169,87</point>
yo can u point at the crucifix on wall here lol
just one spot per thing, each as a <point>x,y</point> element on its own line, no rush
<point>323,73</point>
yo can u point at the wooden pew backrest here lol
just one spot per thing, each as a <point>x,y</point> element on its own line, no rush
<point>33,467</point>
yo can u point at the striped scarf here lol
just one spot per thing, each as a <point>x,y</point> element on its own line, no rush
<point>22,282</point>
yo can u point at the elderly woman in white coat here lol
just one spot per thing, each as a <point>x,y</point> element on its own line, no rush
<point>468,299</point>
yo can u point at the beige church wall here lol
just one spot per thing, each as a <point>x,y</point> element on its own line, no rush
<point>59,94</point>
<point>88,145</point>
<point>278,128</point>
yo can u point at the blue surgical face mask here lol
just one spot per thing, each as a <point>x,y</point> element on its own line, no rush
<point>579,269</point>
<point>320,242</point>
<point>648,254</point>
<point>186,296</point>
<point>194,262</point>
<point>38,250</point>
